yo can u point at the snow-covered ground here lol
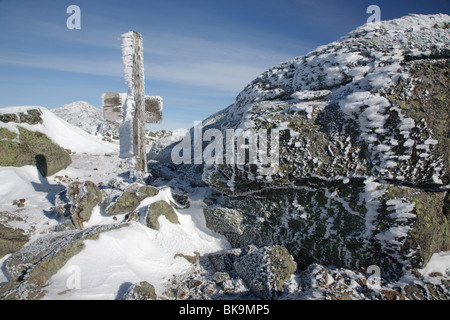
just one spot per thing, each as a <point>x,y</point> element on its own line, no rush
<point>106,266</point>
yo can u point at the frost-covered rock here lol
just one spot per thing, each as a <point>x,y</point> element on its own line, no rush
<point>157,209</point>
<point>84,197</point>
<point>374,103</point>
<point>30,268</point>
<point>265,270</point>
<point>224,261</point>
<point>130,199</point>
<point>363,165</point>
<point>141,291</point>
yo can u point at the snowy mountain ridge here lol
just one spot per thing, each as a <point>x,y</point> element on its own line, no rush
<point>81,114</point>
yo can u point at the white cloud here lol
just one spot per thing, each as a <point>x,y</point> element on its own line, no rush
<point>213,64</point>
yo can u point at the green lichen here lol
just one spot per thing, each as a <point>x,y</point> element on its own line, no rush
<point>6,134</point>
<point>130,199</point>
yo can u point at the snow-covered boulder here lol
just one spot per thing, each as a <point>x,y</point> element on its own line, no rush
<point>362,169</point>
<point>374,103</point>
<point>21,144</point>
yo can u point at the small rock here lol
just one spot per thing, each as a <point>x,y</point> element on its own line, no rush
<point>220,277</point>
<point>141,291</point>
<point>192,259</point>
<point>194,283</point>
<point>19,203</point>
<point>181,294</point>
<point>157,209</point>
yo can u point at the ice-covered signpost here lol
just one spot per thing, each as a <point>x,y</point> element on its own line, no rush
<point>134,109</point>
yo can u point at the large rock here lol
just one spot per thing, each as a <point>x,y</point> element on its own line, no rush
<point>20,146</point>
<point>366,105</point>
<point>141,291</point>
<point>265,270</point>
<point>83,197</point>
<point>354,225</point>
<point>11,239</point>
<point>362,168</point>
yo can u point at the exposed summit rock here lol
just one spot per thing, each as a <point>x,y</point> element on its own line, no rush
<point>362,168</point>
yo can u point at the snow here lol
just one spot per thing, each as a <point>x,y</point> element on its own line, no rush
<point>137,253</point>
<point>439,262</point>
<point>127,58</point>
<point>134,253</point>
<point>118,258</point>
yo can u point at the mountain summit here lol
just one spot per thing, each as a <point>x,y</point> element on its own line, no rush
<point>363,152</point>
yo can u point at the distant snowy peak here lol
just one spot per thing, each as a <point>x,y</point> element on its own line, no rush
<point>58,130</point>
<point>88,118</point>
<point>81,114</point>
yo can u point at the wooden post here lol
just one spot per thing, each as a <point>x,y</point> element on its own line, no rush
<point>133,109</point>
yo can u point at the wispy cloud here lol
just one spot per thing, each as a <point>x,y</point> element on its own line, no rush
<point>219,65</point>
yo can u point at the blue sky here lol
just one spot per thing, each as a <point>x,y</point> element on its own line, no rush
<point>198,54</point>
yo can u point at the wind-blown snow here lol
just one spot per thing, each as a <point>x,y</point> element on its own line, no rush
<point>137,253</point>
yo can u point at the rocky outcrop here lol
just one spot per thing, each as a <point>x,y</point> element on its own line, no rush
<point>130,199</point>
<point>157,209</point>
<point>20,146</point>
<point>363,141</point>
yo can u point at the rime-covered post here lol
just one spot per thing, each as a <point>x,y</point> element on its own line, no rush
<point>132,131</point>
